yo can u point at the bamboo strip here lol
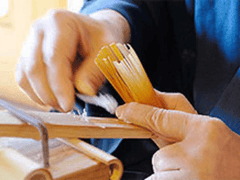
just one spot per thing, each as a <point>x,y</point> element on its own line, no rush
<point>122,67</point>
<point>70,126</point>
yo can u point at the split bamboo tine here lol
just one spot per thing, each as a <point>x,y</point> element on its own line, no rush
<point>123,69</point>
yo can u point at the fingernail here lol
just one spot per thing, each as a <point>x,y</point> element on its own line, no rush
<point>119,114</point>
<point>65,108</point>
<point>87,89</point>
<point>119,111</point>
<point>65,105</point>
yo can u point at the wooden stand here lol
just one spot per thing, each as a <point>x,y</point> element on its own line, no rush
<point>70,159</point>
<point>14,165</point>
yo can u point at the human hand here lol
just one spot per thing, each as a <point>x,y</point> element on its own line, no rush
<point>59,54</point>
<point>201,147</point>
<point>172,101</point>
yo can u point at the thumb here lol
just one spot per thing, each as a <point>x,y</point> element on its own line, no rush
<point>170,124</point>
<point>87,77</point>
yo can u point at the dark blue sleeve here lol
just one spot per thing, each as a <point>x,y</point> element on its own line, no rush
<point>228,107</point>
<point>143,29</point>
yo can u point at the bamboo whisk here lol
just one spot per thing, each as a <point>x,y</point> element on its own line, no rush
<point>123,69</point>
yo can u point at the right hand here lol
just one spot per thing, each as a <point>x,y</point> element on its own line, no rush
<point>192,146</point>
<point>173,102</point>
<point>59,54</point>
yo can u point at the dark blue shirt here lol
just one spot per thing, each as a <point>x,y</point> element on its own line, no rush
<point>218,45</point>
<point>192,47</point>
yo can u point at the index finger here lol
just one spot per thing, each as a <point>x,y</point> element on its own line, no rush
<point>60,81</point>
<point>59,53</point>
<point>171,124</point>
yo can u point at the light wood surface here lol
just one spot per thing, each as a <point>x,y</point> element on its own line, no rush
<point>70,126</point>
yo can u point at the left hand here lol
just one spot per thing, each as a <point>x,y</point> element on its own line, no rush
<point>58,55</point>
<point>201,147</point>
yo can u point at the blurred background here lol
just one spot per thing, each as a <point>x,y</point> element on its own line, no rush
<point>16,17</point>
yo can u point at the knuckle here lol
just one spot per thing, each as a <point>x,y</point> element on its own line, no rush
<point>214,125</point>
<point>215,122</point>
<point>180,97</point>
<point>36,25</point>
<point>36,29</point>
<point>31,70</point>
<point>56,14</point>
<point>212,131</point>
<point>155,115</point>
